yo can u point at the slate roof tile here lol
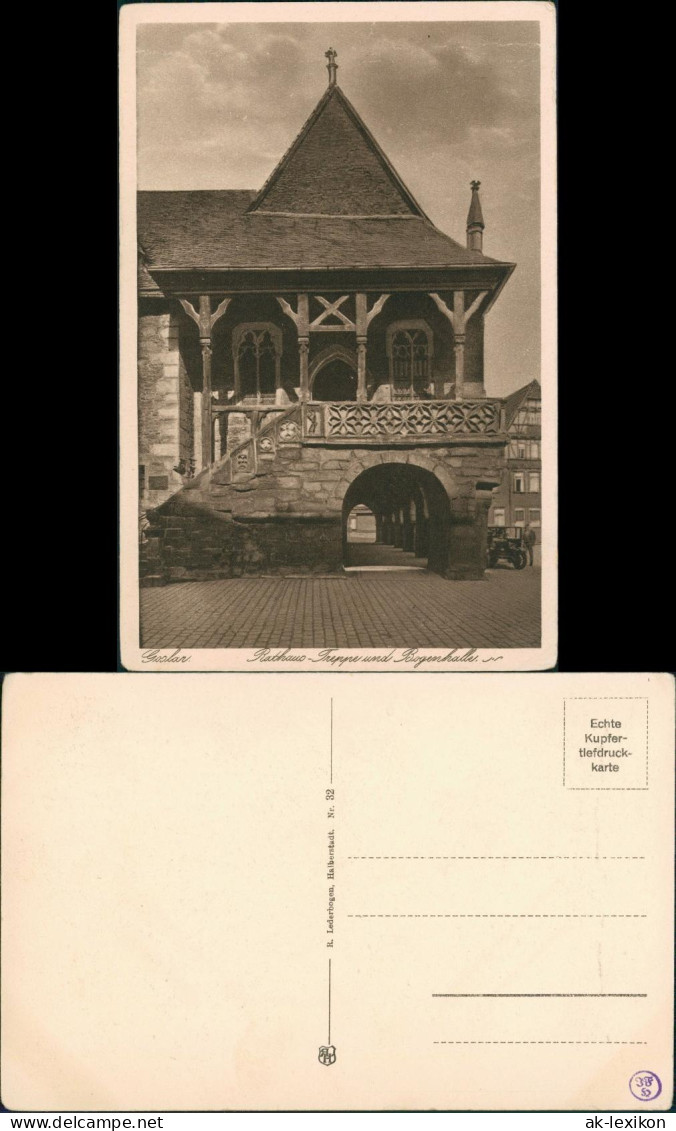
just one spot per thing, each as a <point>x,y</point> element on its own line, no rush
<point>200,229</point>
<point>334,200</point>
<point>336,167</point>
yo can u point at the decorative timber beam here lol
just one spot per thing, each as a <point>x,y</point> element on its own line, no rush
<point>376,309</point>
<point>205,320</point>
<point>319,323</point>
<point>301,319</point>
<point>458,317</point>
<point>288,309</point>
<point>361,327</point>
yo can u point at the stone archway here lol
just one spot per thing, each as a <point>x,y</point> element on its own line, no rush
<point>413,516</point>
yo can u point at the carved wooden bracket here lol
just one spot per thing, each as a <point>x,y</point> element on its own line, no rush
<point>301,321</point>
<point>458,317</point>
<point>288,309</point>
<point>445,310</point>
<point>299,317</point>
<point>204,318</point>
<point>376,309</point>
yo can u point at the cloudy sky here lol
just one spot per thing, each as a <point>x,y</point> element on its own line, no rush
<point>218,105</point>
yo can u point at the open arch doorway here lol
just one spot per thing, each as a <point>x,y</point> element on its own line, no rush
<point>336,380</point>
<point>361,526</point>
<point>412,518</point>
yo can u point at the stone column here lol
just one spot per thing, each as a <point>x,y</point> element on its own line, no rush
<point>279,392</point>
<point>422,542</point>
<point>467,537</point>
<point>197,430</point>
<point>409,527</point>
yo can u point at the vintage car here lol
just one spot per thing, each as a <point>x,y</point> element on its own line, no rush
<point>505,543</point>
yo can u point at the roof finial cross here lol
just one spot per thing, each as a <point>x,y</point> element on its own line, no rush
<point>331,66</point>
<point>475,185</point>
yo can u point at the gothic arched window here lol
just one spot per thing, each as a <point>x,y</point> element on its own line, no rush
<point>409,349</point>
<point>257,350</point>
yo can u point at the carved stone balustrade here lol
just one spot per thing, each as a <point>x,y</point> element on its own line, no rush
<point>347,422</point>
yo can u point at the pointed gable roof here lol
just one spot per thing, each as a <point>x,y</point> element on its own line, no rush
<point>335,167</point>
<point>333,202</point>
<point>516,400</point>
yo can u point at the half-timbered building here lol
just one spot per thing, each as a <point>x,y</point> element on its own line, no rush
<point>307,348</point>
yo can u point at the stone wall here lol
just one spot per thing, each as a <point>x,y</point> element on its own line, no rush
<point>190,548</point>
<point>288,516</point>
<point>162,397</point>
<point>185,416</point>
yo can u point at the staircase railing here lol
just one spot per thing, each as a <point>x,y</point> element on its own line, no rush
<point>245,460</point>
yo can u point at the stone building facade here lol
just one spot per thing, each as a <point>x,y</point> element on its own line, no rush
<point>307,348</point>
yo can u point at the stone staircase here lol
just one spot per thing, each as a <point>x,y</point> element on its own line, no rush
<point>274,502</point>
<point>208,528</point>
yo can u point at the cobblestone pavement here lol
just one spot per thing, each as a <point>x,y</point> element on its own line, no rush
<point>357,610</point>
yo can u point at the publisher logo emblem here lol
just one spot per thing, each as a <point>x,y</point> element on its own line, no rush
<point>645,1086</point>
<point>327,1054</point>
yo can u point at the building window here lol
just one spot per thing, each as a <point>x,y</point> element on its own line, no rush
<point>141,478</point>
<point>409,350</point>
<point>534,449</point>
<point>256,356</point>
<point>519,517</point>
<point>527,417</point>
<point>517,449</point>
<point>534,481</point>
<point>532,412</point>
<point>499,516</point>
<point>534,516</point>
<point>257,351</point>
<point>519,483</point>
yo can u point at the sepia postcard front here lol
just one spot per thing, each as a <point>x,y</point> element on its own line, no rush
<point>394,894</point>
<point>338,356</point>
